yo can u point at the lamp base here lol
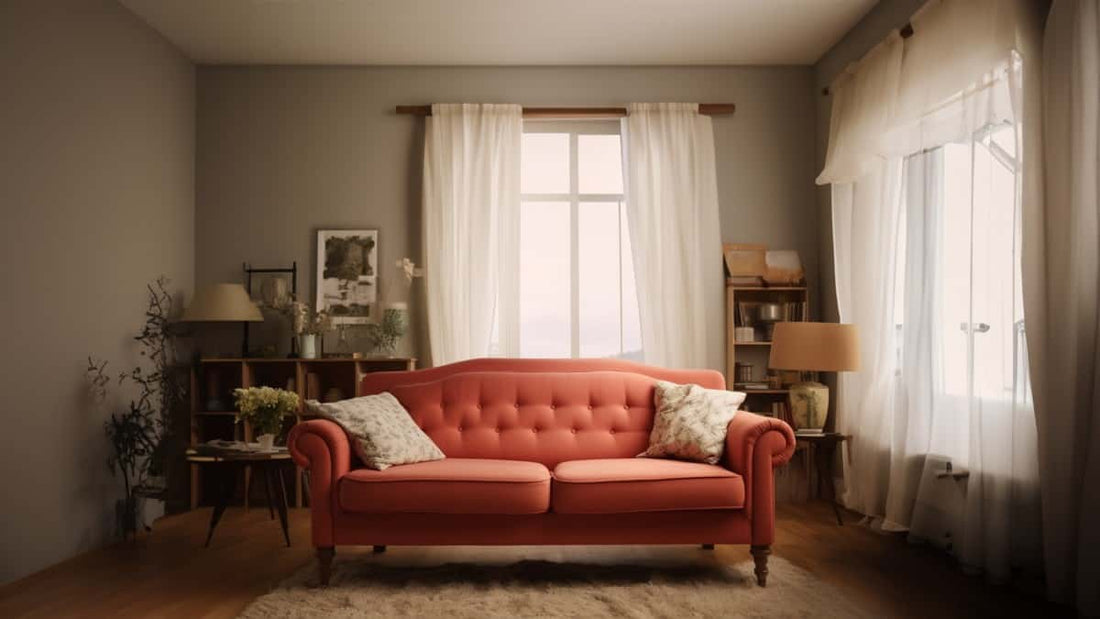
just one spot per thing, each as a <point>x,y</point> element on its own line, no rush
<point>809,402</point>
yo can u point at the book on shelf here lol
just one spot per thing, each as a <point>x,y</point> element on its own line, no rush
<point>810,432</point>
<point>753,386</point>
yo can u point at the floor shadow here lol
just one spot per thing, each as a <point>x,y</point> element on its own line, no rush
<point>534,572</point>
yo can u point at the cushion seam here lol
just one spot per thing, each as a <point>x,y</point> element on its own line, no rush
<point>635,481</point>
<point>436,481</point>
<point>656,509</point>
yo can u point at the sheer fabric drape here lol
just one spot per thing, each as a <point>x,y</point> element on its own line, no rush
<point>914,407</point>
<point>672,210</point>
<point>1062,297</point>
<point>471,229</point>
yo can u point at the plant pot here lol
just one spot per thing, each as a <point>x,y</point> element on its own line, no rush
<point>266,442</point>
<point>307,346</point>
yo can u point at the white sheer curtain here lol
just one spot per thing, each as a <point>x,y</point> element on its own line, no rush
<point>672,210</point>
<point>1062,296</point>
<point>471,229</point>
<point>926,228</point>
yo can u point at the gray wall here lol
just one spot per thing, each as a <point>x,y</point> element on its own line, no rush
<point>284,151</point>
<point>97,190</point>
<point>887,15</point>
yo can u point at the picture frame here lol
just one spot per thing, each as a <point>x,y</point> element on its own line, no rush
<point>347,275</point>
<point>272,288</point>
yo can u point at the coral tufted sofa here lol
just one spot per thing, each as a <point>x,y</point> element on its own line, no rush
<point>541,452</point>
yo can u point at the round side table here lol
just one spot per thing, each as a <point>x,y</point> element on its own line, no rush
<point>267,463</point>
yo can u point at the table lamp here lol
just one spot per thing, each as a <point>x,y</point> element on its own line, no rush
<point>813,347</point>
<point>223,303</point>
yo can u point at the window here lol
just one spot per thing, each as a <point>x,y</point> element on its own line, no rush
<point>577,296</point>
<point>972,211</point>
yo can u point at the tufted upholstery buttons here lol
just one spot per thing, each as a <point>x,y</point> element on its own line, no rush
<point>553,406</point>
<point>461,428</point>
<point>612,430</point>
<point>535,430</point>
<point>498,430</point>
<point>574,430</point>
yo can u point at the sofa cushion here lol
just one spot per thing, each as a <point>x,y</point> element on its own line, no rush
<point>620,485</point>
<point>380,430</point>
<point>451,486</point>
<point>691,422</point>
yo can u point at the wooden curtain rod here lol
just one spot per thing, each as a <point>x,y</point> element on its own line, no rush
<point>710,109</point>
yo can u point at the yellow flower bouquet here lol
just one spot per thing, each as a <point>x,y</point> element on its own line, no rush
<point>265,407</point>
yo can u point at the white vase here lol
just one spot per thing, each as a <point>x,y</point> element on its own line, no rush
<point>266,442</point>
<point>307,346</point>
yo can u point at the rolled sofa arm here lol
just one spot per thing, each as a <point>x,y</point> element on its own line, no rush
<point>321,447</point>
<point>754,446</point>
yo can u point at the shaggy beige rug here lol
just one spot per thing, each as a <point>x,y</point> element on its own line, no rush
<point>385,586</point>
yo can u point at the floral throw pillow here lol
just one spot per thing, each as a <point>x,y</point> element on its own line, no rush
<point>381,430</point>
<point>690,422</point>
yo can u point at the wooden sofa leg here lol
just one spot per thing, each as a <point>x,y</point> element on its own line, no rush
<point>708,546</point>
<point>379,550</point>
<point>760,556</point>
<point>324,563</point>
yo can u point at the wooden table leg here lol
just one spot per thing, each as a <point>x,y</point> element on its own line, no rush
<point>280,502</point>
<point>826,481</point>
<point>247,484</point>
<point>229,484</point>
<point>267,492</point>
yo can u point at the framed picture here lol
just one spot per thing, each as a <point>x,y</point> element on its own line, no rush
<point>272,288</point>
<point>347,275</point>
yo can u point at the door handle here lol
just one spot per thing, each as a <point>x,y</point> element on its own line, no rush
<point>982,327</point>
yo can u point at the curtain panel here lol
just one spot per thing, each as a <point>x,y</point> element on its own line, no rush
<point>672,212</point>
<point>1062,296</point>
<point>471,230</point>
<point>900,117</point>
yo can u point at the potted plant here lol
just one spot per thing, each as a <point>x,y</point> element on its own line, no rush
<point>264,408</point>
<point>385,335</point>
<point>140,433</point>
<point>309,325</point>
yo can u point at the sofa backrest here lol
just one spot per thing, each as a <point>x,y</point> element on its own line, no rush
<point>377,382</point>
<point>546,417</point>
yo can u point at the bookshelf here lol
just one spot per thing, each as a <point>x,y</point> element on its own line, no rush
<point>742,310</point>
<point>213,382</point>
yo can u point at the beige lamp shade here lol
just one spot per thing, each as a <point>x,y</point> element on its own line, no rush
<point>815,347</point>
<point>222,303</point>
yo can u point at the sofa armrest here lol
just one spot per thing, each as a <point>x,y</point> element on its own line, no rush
<point>754,446</point>
<point>321,447</point>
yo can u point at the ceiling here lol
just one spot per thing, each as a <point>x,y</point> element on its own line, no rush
<point>502,32</point>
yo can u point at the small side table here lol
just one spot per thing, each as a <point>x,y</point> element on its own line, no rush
<point>822,448</point>
<point>267,463</point>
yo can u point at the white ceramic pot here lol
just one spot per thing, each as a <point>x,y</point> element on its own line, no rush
<point>266,441</point>
<point>307,346</point>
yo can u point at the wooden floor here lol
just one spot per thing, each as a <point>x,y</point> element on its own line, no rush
<point>169,574</point>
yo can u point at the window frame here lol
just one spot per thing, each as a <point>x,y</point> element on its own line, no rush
<point>575,129</point>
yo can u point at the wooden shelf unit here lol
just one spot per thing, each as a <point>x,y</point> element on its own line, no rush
<point>212,414</point>
<point>757,351</point>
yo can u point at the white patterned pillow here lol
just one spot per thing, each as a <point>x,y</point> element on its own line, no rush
<point>381,430</point>
<point>690,422</point>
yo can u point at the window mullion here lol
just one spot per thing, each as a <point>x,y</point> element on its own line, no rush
<point>574,247</point>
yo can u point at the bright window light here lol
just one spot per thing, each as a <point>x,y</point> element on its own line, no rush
<point>577,295</point>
